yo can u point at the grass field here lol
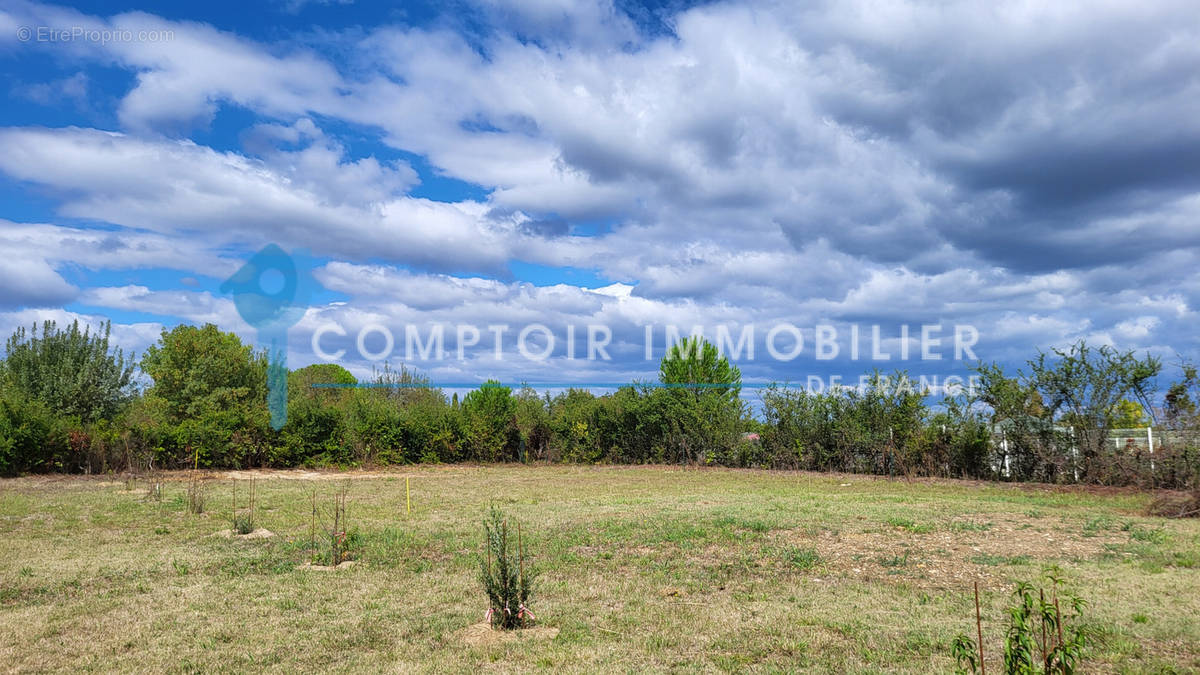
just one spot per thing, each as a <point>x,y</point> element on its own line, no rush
<point>642,569</point>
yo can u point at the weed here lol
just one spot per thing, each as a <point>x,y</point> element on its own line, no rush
<point>1155,536</point>
<point>968,526</point>
<point>1094,526</point>
<point>909,525</point>
<point>995,560</point>
<point>181,568</point>
<point>507,578</point>
<point>1141,618</point>
<point>26,571</point>
<point>801,558</point>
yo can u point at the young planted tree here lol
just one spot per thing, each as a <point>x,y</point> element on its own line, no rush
<point>1045,634</point>
<point>506,574</point>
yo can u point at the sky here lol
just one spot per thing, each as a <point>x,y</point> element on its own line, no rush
<point>1028,170</point>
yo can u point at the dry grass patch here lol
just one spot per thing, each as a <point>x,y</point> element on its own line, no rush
<point>638,563</point>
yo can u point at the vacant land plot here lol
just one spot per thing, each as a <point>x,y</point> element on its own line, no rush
<point>642,569</point>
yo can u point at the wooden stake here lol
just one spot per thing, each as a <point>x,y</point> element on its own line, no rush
<point>1058,620</point>
<point>979,631</point>
<point>407,496</point>
<point>1042,616</point>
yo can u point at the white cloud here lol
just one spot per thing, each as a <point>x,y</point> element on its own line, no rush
<point>1016,167</point>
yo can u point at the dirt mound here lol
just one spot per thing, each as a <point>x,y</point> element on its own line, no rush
<point>482,634</point>
<point>327,568</point>
<point>258,533</point>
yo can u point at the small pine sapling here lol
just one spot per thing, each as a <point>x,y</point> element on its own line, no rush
<point>506,575</point>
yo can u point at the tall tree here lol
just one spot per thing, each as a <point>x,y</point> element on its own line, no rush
<point>71,371</point>
<point>693,364</point>
<point>1181,408</point>
<point>701,399</point>
<point>490,416</point>
<point>1083,387</point>
<point>210,395</point>
<point>201,369</point>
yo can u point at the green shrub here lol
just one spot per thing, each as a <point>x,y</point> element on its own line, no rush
<point>315,433</point>
<point>29,434</point>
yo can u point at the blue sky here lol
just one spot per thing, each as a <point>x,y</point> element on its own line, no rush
<point>1031,172</point>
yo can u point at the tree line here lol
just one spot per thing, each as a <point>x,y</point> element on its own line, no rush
<point>69,402</point>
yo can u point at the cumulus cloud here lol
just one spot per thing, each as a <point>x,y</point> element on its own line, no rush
<point>32,283</point>
<point>1030,169</point>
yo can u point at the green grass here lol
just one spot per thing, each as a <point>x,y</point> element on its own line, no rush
<point>649,568</point>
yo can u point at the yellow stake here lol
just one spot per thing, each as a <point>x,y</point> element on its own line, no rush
<point>407,495</point>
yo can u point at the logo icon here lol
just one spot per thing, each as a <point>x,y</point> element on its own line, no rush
<point>271,293</point>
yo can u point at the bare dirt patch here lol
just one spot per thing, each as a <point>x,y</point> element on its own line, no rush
<point>946,559</point>
<point>482,634</point>
<point>328,568</point>
<point>305,474</point>
<point>258,533</point>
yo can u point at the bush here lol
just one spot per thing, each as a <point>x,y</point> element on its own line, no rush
<point>31,437</point>
<point>533,423</point>
<point>877,429</point>
<point>573,427</point>
<point>315,433</point>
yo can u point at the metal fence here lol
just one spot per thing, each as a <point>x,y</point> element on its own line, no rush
<point>1148,456</point>
<point>1152,438</point>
